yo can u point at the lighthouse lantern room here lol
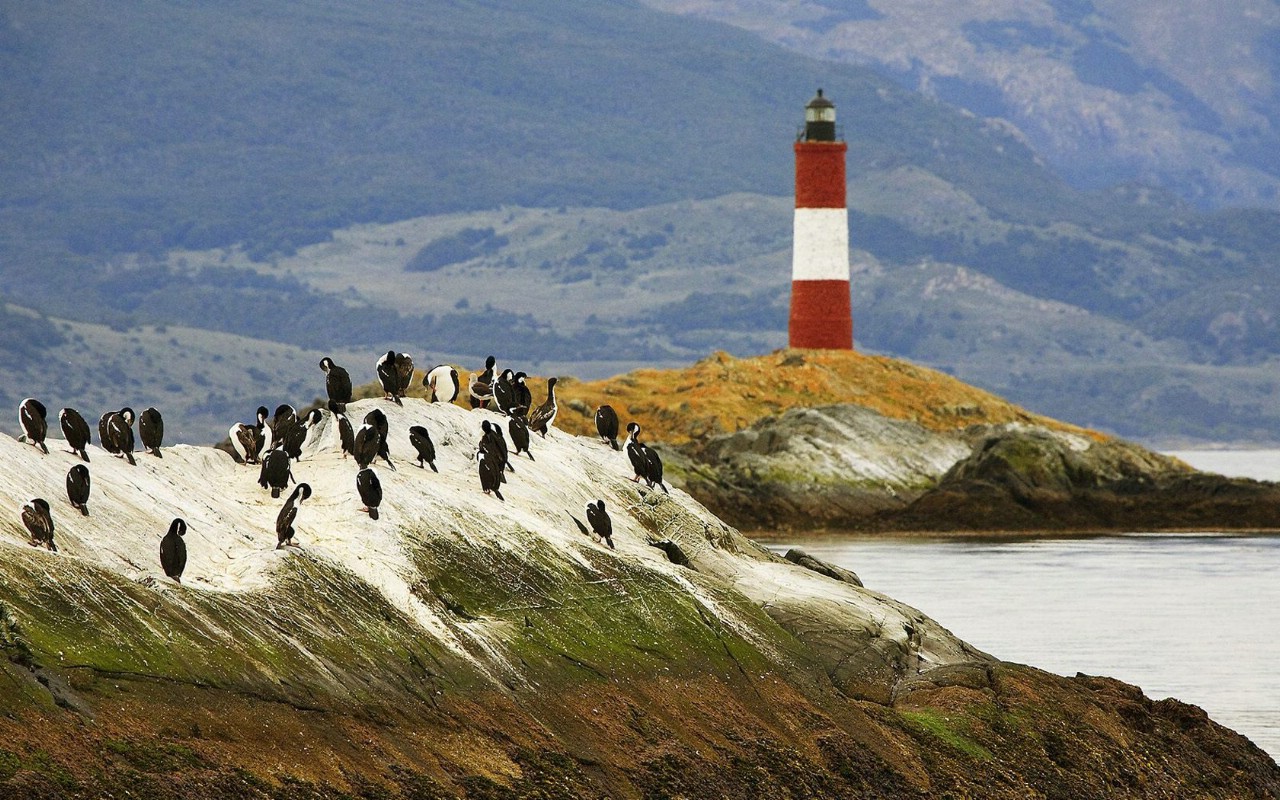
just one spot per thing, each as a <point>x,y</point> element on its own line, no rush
<point>821,312</point>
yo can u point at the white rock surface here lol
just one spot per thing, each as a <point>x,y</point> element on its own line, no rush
<point>231,538</point>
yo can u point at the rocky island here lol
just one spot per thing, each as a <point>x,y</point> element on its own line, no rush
<point>463,646</point>
<point>842,441</point>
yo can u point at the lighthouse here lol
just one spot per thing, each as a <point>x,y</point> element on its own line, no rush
<point>821,315</point>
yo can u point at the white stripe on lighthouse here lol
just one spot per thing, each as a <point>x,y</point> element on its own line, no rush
<point>820,245</point>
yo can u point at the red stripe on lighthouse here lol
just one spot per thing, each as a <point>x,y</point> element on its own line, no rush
<point>821,315</point>
<point>820,174</point>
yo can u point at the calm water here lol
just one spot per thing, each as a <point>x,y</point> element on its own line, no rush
<point>1196,617</point>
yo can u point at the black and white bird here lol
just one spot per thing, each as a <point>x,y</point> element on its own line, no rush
<point>249,440</point>
<point>346,434</point>
<point>379,422</point>
<point>490,473</point>
<point>480,386</point>
<point>78,488</point>
<point>607,425</point>
<point>404,373</point>
<point>284,521</point>
<point>365,445</point>
<point>653,469</point>
<point>275,473</point>
<point>31,415</point>
<point>296,435</point>
<point>39,523</point>
<point>645,461</point>
<point>387,377</point>
<point>544,416</point>
<point>115,431</point>
<point>370,489</point>
<point>76,431</point>
<point>173,550</point>
<point>281,422</point>
<point>420,438</point>
<point>519,430</point>
<point>151,431</point>
<point>600,523</point>
<point>524,397</point>
<point>504,392</point>
<point>337,385</point>
<point>442,384</point>
<point>492,441</point>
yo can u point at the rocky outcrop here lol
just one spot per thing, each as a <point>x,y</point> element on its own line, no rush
<point>1033,480</point>
<point>461,646</point>
<point>845,467</point>
<point>817,467</point>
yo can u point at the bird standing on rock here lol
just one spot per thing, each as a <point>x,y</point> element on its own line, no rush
<point>442,383</point>
<point>600,523</point>
<point>281,423</point>
<point>78,488</point>
<point>607,425</point>
<point>248,440</point>
<point>378,421</point>
<point>524,397</point>
<point>76,431</point>
<point>519,430</point>
<point>31,415</point>
<point>404,374</point>
<point>346,434</point>
<point>115,431</point>
<point>492,441</point>
<point>504,392</point>
<point>275,473</point>
<point>365,445</point>
<point>284,521</point>
<point>388,378</point>
<point>544,416</point>
<point>337,385</point>
<point>421,441</point>
<point>173,550</point>
<point>480,387</point>
<point>151,431</point>
<point>490,473</point>
<point>370,490</point>
<point>645,461</point>
<point>39,523</point>
<point>296,436</point>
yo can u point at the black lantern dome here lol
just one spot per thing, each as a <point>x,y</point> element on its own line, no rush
<point>820,120</point>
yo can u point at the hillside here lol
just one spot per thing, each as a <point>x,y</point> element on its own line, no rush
<point>1183,95</point>
<point>722,394</point>
<point>267,173</point>
<point>461,646</point>
<point>841,441</point>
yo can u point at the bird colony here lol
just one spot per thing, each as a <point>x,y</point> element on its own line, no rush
<point>385,491</point>
<point>336,479</point>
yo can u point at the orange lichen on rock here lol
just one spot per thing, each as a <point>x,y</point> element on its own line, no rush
<point>721,394</point>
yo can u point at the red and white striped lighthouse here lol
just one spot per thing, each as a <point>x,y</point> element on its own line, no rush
<point>821,315</point>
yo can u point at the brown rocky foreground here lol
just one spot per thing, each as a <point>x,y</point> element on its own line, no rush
<point>990,730</point>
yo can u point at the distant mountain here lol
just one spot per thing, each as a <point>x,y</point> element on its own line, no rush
<point>579,188</point>
<point>1183,94</point>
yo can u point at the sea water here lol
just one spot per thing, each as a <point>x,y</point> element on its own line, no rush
<point>1191,616</point>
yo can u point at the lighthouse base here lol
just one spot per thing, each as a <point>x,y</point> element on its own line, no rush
<point>821,315</point>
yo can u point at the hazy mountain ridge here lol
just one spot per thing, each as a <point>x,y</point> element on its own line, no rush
<point>224,178</point>
<point>1182,94</point>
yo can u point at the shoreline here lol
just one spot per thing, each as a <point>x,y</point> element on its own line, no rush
<point>771,536</point>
